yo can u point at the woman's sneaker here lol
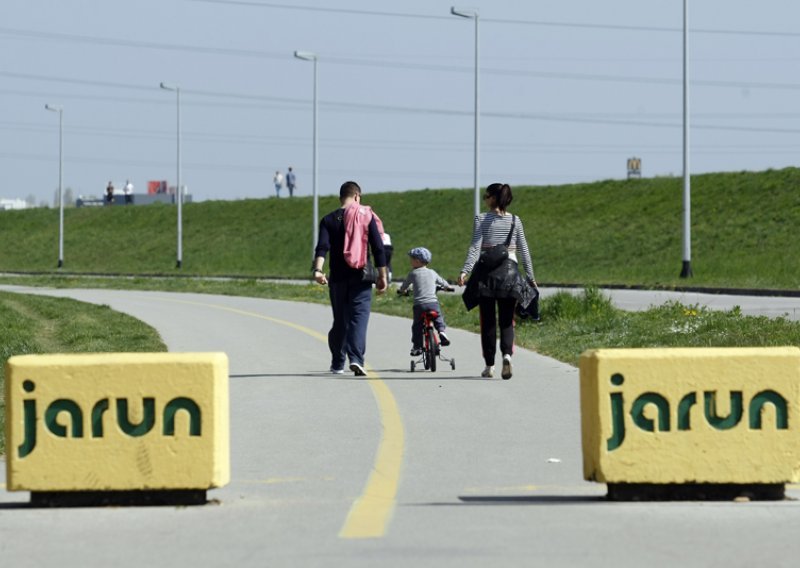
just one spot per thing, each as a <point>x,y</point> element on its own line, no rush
<point>488,372</point>
<point>506,373</point>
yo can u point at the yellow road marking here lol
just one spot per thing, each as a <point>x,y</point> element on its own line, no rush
<point>370,514</point>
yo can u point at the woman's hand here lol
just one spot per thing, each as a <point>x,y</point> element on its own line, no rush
<point>462,278</point>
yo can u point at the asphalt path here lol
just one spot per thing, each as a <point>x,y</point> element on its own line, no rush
<point>398,469</point>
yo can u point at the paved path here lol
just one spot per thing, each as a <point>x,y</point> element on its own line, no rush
<point>402,469</point>
<point>771,306</point>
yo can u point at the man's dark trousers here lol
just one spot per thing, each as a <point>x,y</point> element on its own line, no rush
<point>351,302</point>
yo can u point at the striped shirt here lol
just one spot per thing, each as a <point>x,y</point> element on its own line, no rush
<point>492,229</point>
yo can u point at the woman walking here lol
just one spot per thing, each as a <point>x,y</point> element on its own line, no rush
<point>496,288</point>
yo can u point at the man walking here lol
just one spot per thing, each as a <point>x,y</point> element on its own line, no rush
<point>350,295</point>
<point>290,181</point>
<point>278,181</point>
<point>128,190</point>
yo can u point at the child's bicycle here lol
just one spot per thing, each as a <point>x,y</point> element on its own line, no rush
<point>431,347</point>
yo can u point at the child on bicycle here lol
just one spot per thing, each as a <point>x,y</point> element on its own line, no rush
<point>424,282</point>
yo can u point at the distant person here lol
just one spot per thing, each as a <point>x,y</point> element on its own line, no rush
<point>424,282</point>
<point>109,193</point>
<point>278,181</point>
<point>497,289</point>
<point>290,181</point>
<point>128,192</point>
<point>350,295</point>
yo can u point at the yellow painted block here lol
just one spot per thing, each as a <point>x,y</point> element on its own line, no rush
<point>117,421</point>
<point>706,415</point>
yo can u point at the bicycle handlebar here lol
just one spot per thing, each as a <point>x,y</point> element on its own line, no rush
<point>407,291</point>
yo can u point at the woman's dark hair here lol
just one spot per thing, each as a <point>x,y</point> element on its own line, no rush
<point>349,189</point>
<point>501,193</point>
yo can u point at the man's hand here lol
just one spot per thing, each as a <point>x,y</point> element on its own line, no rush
<point>319,276</point>
<point>383,282</point>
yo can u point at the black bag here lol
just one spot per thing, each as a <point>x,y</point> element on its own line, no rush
<point>493,257</point>
<point>369,273</point>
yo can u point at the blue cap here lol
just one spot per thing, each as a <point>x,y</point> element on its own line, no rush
<point>421,253</point>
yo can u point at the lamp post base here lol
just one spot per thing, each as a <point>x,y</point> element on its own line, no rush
<point>686,270</point>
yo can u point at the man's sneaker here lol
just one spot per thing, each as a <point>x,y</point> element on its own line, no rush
<point>416,351</point>
<point>337,371</point>
<point>488,372</point>
<point>506,373</point>
<point>443,339</point>
<point>358,370</point>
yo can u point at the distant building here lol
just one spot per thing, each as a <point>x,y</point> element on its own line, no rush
<point>137,199</point>
<point>7,204</point>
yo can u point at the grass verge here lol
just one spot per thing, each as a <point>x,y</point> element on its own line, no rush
<point>37,324</point>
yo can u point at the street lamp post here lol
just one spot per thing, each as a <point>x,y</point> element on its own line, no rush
<point>474,15</point>
<point>686,268</point>
<point>60,111</point>
<point>179,192</point>
<point>310,56</point>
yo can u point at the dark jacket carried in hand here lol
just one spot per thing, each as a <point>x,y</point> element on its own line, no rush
<point>505,281</point>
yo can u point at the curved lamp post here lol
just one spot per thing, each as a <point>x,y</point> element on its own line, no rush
<point>60,111</point>
<point>179,193</point>
<point>474,15</point>
<point>311,56</point>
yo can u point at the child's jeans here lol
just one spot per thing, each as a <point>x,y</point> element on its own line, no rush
<point>416,326</point>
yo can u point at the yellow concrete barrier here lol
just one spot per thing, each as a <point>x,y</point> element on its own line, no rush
<point>706,415</point>
<point>117,421</point>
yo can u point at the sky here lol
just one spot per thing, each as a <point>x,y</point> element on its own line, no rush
<point>569,91</point>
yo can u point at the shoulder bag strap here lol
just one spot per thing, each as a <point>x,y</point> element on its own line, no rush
<point>511,232</point>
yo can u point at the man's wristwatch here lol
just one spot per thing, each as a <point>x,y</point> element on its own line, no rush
<point>315,270</point>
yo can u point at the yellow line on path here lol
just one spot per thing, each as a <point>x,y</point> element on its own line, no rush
<point>370,514</point>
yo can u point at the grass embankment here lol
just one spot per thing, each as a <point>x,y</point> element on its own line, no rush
<point>34,325</point>
<point>612,232</point>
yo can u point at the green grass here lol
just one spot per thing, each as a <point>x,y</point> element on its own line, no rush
<point>611,232</point>
<point>35,325</point>
<point>572,324</point>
